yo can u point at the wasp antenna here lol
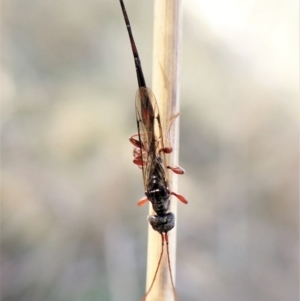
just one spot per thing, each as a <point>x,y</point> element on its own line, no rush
<point>169,266</point>
<point>157,268</point>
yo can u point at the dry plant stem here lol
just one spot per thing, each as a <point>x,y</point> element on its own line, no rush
<point>166,45</point>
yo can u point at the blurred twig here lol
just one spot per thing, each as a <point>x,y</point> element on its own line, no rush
<point>166,45</point>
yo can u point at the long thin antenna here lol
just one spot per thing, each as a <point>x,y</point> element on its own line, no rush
<point>169,265</point>
<point>166,53</point>
<point>157,268</point>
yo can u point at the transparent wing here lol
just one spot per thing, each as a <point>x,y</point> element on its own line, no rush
<point>150,135</point>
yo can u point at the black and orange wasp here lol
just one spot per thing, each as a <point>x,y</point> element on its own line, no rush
<point>150,156</point>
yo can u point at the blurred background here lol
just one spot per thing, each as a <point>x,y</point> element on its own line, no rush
<point>70,227</point>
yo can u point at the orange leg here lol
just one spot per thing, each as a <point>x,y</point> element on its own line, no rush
<point>180,197</point>
<point>142,201</point>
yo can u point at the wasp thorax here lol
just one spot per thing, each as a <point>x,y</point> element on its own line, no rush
<point>159,196</point>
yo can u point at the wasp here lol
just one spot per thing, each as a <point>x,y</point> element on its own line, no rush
<point>150,155</point>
